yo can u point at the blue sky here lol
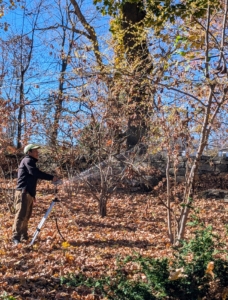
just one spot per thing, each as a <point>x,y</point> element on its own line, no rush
<point>43,79</point>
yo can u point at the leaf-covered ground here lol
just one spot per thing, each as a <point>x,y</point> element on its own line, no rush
<point>135,223</point>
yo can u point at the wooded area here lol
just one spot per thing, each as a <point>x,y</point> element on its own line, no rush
<point>100,86</point>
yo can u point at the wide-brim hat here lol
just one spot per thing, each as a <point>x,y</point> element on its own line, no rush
<point>30,147</point>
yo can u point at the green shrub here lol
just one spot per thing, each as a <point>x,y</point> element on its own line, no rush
<point>193,257</point>
<point>187,276</point>
<point>5,296</point>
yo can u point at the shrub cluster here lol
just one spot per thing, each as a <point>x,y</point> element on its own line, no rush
<point>199,270</point>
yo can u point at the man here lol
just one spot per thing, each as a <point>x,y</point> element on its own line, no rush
<point>28,174</point>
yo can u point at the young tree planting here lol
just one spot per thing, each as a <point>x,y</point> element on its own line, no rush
<point>196,79</point>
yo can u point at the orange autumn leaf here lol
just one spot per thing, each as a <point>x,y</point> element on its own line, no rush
<point>210,268</point>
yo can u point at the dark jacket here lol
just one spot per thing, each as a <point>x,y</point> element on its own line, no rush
<point>28,173</point>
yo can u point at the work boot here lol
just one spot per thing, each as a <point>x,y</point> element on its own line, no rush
<point>16,242</point>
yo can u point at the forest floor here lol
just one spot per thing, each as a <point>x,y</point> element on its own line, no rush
<point>135,223</point>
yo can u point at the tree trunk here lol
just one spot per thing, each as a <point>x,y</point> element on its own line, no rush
<point>137,53</point>
<point>60,98</point>
<point>189,190</point>
<point>103,207</point>
<point>136,46</point>
<point>169,217</point>
<point>57,115</point>
<point>20,112</point>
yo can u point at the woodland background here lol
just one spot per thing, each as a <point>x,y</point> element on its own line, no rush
<point>98,84</point>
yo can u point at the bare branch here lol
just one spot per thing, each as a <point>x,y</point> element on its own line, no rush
<point>207,43</point>
<point>81,32</point>
<point>182,92</point>
<point>90,30</point>
<point>222,56</point>
<point>204,28</point>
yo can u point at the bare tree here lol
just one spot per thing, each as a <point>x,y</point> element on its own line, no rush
<point>206,99</point>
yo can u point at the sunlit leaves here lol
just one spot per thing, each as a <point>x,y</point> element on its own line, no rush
<point>210,268</point>
<point>159,12</point>
<point>135,223</point>
<point>65,245</point>
<point>177,274</point>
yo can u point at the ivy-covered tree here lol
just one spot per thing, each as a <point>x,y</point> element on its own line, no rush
<point>130,23</point>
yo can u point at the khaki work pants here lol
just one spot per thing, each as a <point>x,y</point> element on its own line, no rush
<point>23,206</point>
